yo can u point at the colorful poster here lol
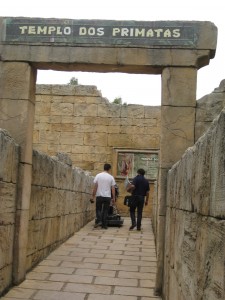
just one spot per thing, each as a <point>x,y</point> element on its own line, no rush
<point>129,162</point>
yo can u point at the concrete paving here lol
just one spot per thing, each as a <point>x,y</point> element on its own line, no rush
<point>95,264</point>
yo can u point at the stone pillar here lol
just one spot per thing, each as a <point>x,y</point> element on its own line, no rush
<point>17,101</point>
<point>177,134</point>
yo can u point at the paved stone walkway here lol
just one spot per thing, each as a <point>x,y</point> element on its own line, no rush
<point>95,264</point>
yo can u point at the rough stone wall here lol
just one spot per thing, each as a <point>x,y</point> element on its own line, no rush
<point>77,120</point>
<point>195,222</point>
<point>208,108</point>
<point>155,209</point>
<point>9,158</point>
<point>195,213</point>
<point>59,205</point>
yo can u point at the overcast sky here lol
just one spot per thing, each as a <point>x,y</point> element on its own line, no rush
<point>138,89</point>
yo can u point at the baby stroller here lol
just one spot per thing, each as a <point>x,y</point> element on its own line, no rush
<point>114,218</point>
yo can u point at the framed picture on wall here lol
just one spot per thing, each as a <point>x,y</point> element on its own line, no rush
<point>128,161</point>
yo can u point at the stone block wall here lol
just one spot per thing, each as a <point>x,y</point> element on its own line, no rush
<point>9,159</point>
<point>208,108</point>
<point>194,261</point>
<point>59,205</point>
<point>77,120</point>
<point>155,209</point>
<point>195,220</point>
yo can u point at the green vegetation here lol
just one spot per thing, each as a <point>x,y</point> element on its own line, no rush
<point>119,101</point>
<point>73,81</point>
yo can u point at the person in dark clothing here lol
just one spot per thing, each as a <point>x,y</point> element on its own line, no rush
<point>140,189</point>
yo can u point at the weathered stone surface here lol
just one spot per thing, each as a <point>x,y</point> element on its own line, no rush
<point>75,211</point>
<point>106,59</point>
<point>5,277</point>
<point>200,169</point>
<point>89,132</point>
<point>57,198</point>
<point>19,87</point>
<point>133,111</point>
<point>210,247</point>
<point>63,157</point>
<point>61,109</point>
<point>8,202</point>
<point>208,108</point>
<point>59,195</point>
<point>175,81</point>
<point>85,110</point>
<point>14,80</point>
<point>195,220</point>
<point>21,112</point>
<point>70,90</point>
<point>6,245</point>
<point>176,133</point>
<point>217,205</point>
<point>9,157</point>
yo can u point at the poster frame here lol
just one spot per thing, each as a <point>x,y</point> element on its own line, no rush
<point>123,151</point>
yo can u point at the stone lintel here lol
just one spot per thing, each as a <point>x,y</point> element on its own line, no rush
<point>135,60</point>
<point>107,46</point>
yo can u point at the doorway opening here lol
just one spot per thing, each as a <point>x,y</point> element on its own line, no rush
<point>143,89</point>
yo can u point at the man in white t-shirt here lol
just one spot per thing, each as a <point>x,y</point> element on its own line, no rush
<point>104,187</point>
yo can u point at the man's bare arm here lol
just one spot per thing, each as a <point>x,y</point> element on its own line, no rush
<point>95,187</point>
<point>113,194</point>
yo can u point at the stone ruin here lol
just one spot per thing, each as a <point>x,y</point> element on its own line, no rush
<point>176,50</point>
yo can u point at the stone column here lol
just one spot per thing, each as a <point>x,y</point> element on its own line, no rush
<point>17,101</point>
<point>177,134</point>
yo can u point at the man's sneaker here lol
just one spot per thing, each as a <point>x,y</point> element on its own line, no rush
<point>97,225</point>
<point>132,227</point>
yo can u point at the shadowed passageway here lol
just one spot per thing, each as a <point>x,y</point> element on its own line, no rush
<point>96,264</point>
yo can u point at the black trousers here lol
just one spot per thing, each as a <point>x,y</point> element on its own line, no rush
<point>102,208</point>
<point>139,206</point>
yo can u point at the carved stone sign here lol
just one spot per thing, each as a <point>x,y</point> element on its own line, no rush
<point>101,32</point>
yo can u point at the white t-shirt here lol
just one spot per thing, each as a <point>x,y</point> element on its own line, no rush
<point>105,181</point>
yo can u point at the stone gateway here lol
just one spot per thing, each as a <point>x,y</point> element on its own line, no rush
<point>174,49</point>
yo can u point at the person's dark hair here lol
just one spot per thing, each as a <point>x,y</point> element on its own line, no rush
<point>107,167</point>
<point>141,171</point>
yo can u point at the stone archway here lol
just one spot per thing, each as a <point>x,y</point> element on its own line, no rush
<point>176,50</point>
